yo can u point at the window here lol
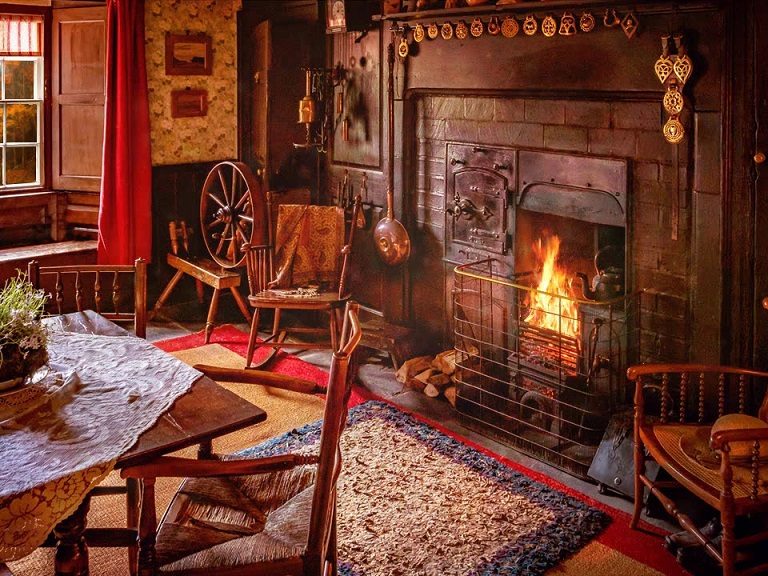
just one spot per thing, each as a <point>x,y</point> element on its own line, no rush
<point>21,101</point>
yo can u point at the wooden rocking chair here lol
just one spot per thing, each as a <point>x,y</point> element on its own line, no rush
<point>305,268</point>
<point>266,516</point>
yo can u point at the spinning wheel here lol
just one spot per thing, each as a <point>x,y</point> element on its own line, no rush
<point>232,214</point>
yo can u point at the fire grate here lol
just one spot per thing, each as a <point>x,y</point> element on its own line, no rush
<point>543,382</point>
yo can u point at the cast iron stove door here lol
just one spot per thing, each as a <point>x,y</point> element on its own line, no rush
<point>479,181</point>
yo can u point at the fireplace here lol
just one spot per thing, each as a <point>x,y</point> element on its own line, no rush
<point>542,324</point>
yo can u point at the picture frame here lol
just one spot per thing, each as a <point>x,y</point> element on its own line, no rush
<point>188,55</point>
<point>189,103</point>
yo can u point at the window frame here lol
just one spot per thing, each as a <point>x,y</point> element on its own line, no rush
<point>44,128</point>
<point>39,143</point>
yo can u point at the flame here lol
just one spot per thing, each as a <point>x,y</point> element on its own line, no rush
<point>552,304</point>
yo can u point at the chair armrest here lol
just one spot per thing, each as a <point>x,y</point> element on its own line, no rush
<point>252,376</point>
<point>169,466</point>
<point>723,438</point>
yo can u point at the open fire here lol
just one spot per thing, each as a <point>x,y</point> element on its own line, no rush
<point>552,304</point>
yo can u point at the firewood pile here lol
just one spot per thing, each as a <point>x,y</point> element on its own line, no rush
<point>433,375</point>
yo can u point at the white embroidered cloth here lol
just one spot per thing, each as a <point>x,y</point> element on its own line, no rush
<point>61,436</point>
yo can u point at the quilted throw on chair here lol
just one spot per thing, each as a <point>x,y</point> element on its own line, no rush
<point>308,243</point>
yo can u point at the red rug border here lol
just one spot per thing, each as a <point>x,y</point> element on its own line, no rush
<point>633,543</point>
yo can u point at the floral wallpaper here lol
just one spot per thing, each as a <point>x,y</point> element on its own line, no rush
<point>196,139</point>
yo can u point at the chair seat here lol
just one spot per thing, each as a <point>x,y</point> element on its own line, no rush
<point>290,298</point>
<point>663,443</point>
<point>218,523</point>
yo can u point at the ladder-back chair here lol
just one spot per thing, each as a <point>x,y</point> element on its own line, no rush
<point>305,268</point>
<point>695,422</point>
<point>117,292</point>
<point>264,516</point>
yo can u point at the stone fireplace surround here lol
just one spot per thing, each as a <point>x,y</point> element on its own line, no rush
<point>658,181</point>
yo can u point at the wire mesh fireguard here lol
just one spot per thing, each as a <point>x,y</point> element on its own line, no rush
<point>538,371</point>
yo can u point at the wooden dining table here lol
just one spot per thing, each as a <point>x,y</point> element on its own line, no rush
<point>204,413</point>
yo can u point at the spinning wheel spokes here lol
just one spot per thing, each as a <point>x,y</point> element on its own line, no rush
<point>231,212</point>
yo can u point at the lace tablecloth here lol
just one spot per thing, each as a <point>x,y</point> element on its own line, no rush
<point>62,435</point>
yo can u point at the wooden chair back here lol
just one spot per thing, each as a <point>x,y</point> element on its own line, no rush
<point>322,518</point>
<point>117,292</point>
<point>698,393</point>
<point>261,261</point>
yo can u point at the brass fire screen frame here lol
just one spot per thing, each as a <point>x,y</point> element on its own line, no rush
<point>545,393</point>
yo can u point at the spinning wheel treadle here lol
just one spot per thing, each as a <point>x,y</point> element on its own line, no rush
<point>232,214</point>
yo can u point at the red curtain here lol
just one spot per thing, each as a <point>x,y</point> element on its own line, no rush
<point>125,216</point>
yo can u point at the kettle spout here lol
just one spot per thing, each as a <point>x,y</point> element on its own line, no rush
<point>586,289</point>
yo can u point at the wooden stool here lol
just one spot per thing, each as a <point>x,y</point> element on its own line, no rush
<point>204,271</point>
<point>400,342</point>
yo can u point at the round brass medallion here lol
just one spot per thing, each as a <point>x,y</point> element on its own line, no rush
<point>446,31</point>
<point>530,26</point>
<point>418,33</point>
<point>509,27</point>
<point>587,22</point>
<point>674,131</point>
<point>432,31</point>
<point>673,101</point>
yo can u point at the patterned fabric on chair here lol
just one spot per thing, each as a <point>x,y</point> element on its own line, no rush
<point>305,268</point>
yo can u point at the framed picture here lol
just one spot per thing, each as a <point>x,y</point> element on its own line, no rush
<point>189,103</point>
<point>188,54</point>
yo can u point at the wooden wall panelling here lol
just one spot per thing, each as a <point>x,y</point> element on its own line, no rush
<point>176,193</point>
<point>79,54</point>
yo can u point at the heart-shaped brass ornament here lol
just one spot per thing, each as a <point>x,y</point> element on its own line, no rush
<point>683,67</point>
<point>663,68</point>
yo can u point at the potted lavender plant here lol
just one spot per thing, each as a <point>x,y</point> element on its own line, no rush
<point>23,337</point>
